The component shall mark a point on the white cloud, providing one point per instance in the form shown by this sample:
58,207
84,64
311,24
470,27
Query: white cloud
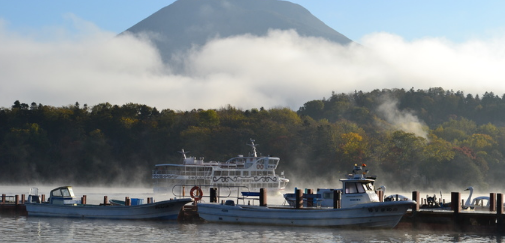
283,69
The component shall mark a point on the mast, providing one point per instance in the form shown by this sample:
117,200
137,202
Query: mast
253,146
183,153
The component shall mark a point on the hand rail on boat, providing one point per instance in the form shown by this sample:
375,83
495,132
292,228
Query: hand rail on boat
182,190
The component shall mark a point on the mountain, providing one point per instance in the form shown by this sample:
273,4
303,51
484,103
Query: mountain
186,23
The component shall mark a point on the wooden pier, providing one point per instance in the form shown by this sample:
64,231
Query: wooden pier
13,205
456,218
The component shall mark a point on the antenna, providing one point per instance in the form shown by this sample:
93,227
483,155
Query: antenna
183,153
253,146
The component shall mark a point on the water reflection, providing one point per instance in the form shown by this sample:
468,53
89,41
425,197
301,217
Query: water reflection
42,229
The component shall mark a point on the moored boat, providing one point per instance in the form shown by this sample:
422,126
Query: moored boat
359,207
252,172
62,203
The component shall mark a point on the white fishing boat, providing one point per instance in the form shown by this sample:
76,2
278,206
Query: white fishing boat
252,172
62,203
359,207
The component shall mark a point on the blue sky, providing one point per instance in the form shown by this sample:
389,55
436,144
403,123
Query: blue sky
59,52
455,20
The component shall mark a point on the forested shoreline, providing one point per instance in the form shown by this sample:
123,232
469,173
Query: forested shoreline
412,139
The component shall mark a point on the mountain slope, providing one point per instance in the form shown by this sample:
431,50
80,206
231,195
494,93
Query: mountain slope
184,23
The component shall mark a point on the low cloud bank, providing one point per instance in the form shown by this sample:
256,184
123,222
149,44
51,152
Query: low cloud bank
283,69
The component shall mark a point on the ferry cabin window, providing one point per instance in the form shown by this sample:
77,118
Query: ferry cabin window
245,173
217,173
273,162
328,195
354,187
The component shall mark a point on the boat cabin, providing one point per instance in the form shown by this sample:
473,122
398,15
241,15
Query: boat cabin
357,188
62,195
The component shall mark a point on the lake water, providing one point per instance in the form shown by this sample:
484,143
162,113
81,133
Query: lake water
41,229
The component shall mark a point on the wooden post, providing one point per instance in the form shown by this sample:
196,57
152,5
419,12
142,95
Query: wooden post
337,196
127,201
148,200
17,199
499,209
455,198
83,199
105,200
213,195
499,203
310,200
23,199
43,197
3,198
415,197
298,198
492,202
263,197
380,194
183,191
397,197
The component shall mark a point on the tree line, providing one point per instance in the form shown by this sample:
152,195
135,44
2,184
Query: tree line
459,141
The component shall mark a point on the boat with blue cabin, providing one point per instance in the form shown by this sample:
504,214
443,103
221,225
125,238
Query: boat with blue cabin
62,203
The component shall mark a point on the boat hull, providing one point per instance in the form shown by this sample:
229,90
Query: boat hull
168,209
370,215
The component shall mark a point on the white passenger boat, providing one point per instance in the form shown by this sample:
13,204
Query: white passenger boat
62,203
360,207
252,172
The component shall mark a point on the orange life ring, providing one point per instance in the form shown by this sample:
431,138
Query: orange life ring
198,195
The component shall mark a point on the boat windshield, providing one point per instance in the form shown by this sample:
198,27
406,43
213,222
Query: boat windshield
358,187
62,192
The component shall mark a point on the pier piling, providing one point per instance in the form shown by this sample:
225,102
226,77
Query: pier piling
337,196
263,197
499,209
492,202
455,199
310,200
298,198
415,197
213,195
